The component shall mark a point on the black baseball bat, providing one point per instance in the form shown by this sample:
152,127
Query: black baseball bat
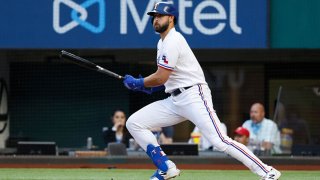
87,64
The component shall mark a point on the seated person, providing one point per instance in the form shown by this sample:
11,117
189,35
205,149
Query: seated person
166,137
242,135
157,132
118,133
204,143
264,133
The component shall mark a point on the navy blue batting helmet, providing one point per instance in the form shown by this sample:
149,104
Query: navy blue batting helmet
164,8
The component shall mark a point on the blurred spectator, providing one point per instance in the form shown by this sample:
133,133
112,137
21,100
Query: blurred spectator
118,133
242,135
166,137
299,127
196,137
264,133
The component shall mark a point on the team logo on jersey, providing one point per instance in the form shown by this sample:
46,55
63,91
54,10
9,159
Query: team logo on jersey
164,59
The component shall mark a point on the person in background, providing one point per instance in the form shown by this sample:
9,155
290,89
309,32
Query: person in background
242,135
118,133
163,135
166,137
264,133
294,122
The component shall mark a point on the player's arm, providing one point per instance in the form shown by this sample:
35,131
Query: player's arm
166,65
158,78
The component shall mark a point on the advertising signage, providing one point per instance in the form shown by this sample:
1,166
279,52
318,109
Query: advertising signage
121,24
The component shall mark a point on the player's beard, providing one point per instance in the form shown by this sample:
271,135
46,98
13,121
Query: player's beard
160,29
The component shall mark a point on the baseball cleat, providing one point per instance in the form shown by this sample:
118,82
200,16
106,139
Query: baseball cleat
272,174
160,175
172,172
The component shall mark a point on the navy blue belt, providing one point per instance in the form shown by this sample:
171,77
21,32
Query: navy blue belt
179,91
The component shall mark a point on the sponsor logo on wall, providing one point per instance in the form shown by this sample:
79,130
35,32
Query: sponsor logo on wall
123,23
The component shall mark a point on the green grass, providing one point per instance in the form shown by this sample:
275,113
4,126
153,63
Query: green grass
126,174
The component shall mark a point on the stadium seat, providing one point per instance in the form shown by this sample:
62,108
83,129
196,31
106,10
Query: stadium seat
117,149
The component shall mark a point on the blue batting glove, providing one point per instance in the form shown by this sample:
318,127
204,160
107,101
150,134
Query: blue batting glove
133,83
143,89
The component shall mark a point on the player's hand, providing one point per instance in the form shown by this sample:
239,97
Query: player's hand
132,83
137,88
143,89
118,125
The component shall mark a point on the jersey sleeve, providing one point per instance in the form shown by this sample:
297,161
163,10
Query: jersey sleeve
169,57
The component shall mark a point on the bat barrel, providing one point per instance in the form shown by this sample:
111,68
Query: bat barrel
87,64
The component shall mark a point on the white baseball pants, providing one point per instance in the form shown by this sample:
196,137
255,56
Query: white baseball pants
194,104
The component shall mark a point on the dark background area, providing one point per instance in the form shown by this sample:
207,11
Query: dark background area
53,100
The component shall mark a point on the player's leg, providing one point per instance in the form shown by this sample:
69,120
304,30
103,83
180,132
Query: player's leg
157,114
202,114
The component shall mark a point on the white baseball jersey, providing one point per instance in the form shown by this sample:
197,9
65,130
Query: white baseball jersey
175,54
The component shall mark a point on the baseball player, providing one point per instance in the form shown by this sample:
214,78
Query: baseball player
182,77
